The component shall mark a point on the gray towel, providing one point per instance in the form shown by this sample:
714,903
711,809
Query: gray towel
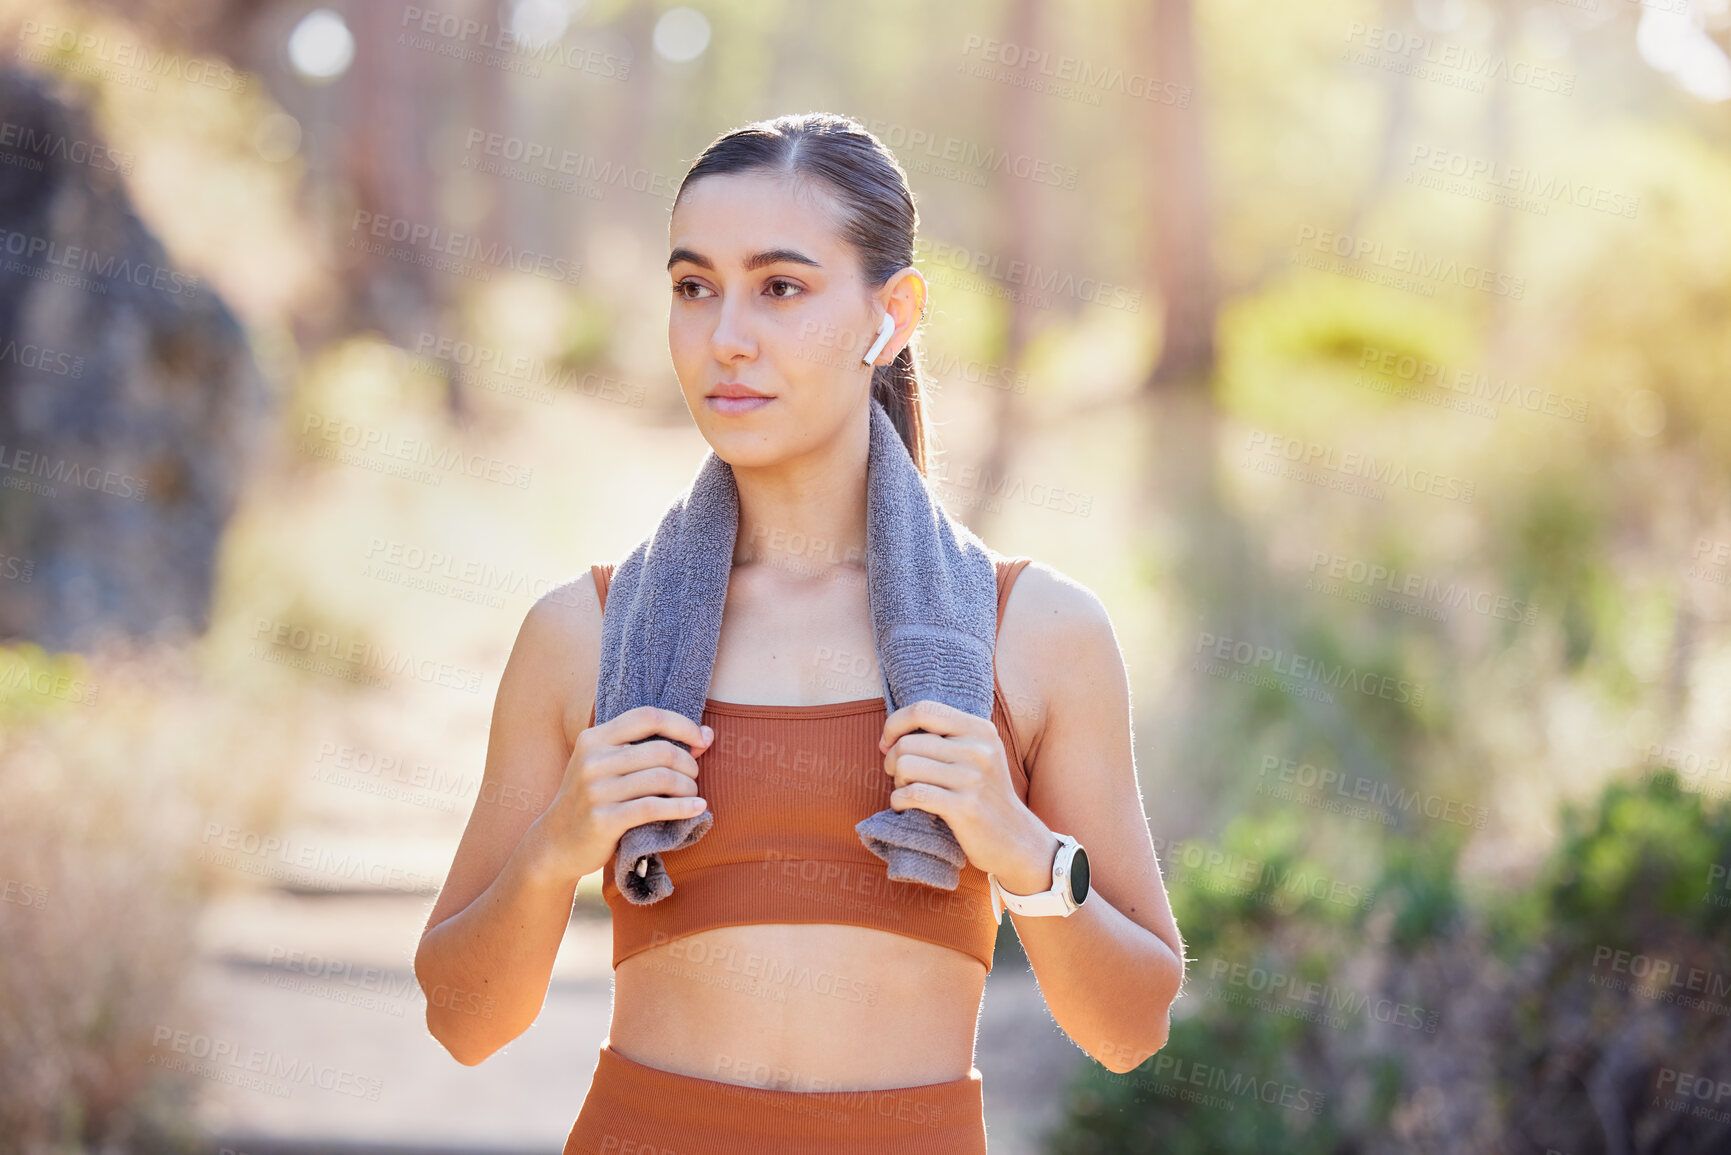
934,602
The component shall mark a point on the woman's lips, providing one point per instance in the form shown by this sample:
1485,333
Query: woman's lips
736,405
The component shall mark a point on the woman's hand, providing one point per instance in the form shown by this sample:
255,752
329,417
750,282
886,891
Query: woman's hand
614,781
957,770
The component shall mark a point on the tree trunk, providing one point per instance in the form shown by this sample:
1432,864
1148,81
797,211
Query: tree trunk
1181,258
1018,134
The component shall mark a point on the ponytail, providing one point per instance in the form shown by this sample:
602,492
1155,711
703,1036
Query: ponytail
900,386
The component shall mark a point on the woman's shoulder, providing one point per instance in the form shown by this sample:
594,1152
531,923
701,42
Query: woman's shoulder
1048,603
571,611
1051,624
560,644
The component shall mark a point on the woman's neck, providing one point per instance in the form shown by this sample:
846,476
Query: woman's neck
807,516
805,534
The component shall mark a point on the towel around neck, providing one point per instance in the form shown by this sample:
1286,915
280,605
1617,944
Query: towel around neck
933,594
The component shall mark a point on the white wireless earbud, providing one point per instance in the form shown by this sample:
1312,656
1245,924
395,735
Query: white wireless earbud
885,331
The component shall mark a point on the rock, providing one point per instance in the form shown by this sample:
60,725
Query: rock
130,403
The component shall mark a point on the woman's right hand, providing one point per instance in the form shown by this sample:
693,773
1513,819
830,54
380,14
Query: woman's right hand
614,782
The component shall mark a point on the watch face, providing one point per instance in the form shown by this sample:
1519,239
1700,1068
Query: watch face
1079,875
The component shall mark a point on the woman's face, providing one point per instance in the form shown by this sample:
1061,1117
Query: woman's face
767,295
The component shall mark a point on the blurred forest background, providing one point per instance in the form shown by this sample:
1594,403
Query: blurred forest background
1371,359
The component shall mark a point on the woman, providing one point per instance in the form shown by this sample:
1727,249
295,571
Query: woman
790,240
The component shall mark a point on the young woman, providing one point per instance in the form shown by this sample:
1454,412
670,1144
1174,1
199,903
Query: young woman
781,1001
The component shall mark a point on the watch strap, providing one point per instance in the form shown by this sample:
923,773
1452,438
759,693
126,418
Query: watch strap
1049,902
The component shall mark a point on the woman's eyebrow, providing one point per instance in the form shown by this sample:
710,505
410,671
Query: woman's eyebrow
755,261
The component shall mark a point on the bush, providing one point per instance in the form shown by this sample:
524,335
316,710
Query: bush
1443,1020
105,770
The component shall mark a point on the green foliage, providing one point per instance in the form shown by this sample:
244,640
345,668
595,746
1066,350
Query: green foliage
1418,883
1638,866
1310,350
1554,546
1630,946
1256,878
1635,870
1234,1077
1234,1088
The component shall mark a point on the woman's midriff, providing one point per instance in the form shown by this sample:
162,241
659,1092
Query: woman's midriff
800,1007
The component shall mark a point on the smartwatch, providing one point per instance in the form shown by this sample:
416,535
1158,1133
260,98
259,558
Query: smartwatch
1068,891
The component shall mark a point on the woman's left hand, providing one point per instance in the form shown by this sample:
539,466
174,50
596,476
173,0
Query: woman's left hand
957,770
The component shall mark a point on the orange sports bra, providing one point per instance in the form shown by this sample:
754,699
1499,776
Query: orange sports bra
786,785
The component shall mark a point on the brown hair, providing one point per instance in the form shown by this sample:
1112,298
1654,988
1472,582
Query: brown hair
878,219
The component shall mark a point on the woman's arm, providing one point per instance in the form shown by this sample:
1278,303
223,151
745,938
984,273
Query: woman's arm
486,957
1111,970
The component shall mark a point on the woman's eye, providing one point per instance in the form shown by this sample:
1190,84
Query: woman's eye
680,287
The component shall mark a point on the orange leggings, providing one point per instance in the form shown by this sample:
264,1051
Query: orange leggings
633,1109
